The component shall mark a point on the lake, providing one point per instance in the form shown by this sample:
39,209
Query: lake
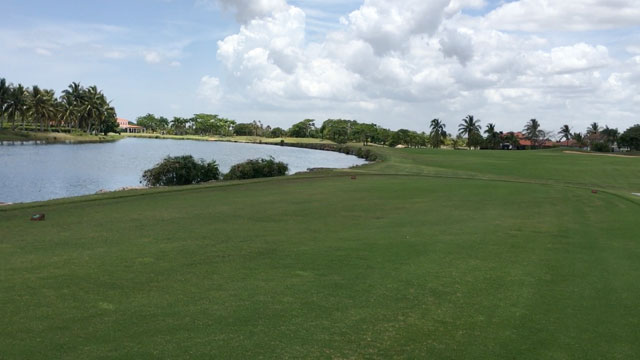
32,172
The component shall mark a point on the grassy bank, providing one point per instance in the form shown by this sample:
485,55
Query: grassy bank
243,139
429,254
54,137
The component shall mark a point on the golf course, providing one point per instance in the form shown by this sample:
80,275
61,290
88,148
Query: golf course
424,254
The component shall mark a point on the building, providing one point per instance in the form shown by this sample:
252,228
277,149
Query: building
126,126
524,143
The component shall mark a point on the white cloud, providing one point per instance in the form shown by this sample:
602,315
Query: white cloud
398,61
43,52
152,57
457,44
210,89
387,24
576,15
114,54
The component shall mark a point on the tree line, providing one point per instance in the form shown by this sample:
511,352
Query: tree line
77,108
470,132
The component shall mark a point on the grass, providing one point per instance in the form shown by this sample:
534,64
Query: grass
54,137
243,139
429,254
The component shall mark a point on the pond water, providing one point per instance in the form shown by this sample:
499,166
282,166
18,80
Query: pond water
33,172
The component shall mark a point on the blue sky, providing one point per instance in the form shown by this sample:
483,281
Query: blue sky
397,63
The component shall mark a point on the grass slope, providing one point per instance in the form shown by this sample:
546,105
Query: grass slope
54,137
429,254
241,139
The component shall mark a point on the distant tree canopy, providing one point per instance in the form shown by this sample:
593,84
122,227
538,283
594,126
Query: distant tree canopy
181,170
277,132
631,138
153,123
303,129
243,129
341,131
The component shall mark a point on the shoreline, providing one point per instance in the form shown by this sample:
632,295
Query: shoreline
347,149
17,137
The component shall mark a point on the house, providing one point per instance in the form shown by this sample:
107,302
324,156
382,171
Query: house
525,143
126,126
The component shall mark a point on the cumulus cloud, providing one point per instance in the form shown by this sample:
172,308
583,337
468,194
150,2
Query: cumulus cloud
387,24
457,44
399,59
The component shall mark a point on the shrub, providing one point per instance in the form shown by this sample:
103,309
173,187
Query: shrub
256,168
181,170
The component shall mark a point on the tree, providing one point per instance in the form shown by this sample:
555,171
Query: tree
565,133
41,105
365,132
109,121
179,125
593,129
457,141
153,123
493,137
579,139
74,98
532,132
302,129
5,92
512,139
181,170
338,132
93,109
469,128
17,105
438,134
243,129
593,133
277,132
609,135
631,138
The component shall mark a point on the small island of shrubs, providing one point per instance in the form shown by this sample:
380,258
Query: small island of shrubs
186,170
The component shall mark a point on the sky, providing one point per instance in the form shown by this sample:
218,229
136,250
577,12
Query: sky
397,63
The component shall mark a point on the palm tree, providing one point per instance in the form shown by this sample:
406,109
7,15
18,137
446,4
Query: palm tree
93,109
593,133
594,129
579,138
17,105
5,91
565,132
469,128
532,131
438,134
493,137
610,135
73,97
41,105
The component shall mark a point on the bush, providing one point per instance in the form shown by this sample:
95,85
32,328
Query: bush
256,168
601,147
181,170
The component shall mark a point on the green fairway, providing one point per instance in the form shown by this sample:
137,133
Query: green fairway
428,254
